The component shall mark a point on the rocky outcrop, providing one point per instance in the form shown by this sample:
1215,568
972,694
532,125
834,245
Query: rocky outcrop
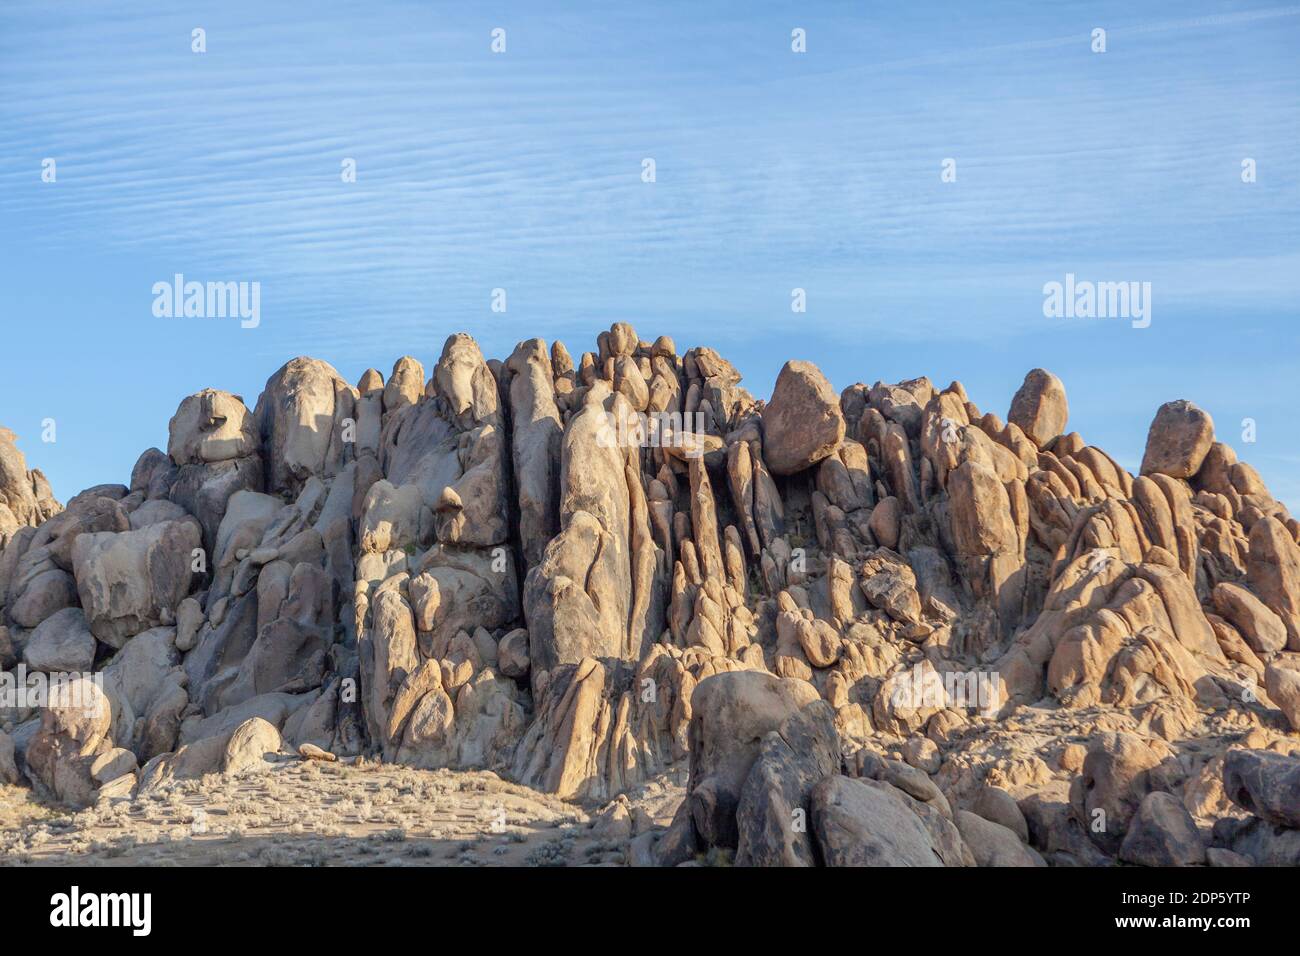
886,627
25,496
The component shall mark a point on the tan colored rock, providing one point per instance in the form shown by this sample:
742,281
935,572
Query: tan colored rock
1273,574
885,522
993,844
513,654
130,581
25,497
1162,834
982,523
870,823
1178,441
802,423
249,746
73,733
730,714
405,386
774,803
1119,771
1265,784
1039,408
535,446
1283,687
1262,629
300,417
998,806
211,426
61,643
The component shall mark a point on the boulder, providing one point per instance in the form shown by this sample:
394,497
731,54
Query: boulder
189,762
73,732
206,489
802,423
731,714
1162,834
869,823
998,806
405,386
466,384
1178,441
535,446
992,844
1283,687
146,689
1118,772
61,643
112,764
394,519
1262,628
25,498
512,654
130,581
300,418
1039,407
772,817
1264,783
1273,573
43,594
248,747
211,426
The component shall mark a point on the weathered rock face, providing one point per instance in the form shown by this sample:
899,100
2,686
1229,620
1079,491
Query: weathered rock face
1283,686
249,746
1118,773
535,443
62,642
992,844
592,595
1163,833
880,628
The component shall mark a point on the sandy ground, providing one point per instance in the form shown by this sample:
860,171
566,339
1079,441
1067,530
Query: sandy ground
308,813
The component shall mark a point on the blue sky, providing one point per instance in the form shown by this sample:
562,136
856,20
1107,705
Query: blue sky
775,170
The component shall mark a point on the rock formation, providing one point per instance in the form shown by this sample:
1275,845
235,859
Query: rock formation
881,629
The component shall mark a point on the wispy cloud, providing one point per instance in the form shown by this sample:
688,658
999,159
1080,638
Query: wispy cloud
774,170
